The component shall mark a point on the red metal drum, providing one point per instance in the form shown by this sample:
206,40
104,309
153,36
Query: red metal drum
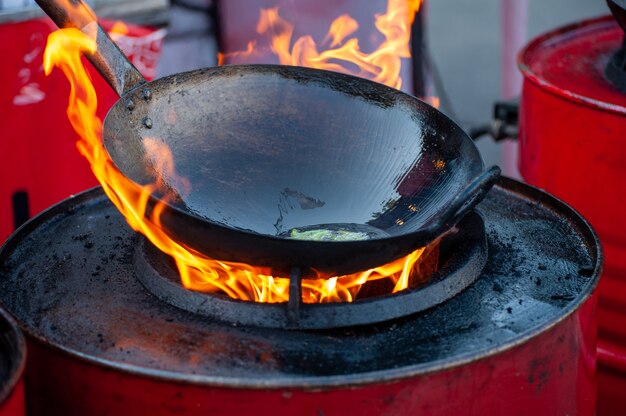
520,340
39,163
573,144
552,374
12,363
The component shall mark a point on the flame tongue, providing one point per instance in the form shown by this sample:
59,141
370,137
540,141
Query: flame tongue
343,54
197,271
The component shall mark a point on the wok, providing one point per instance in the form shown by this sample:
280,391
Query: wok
279,157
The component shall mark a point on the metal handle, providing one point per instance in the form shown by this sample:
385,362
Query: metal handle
618,8
505,122
108,59
615,69
467,200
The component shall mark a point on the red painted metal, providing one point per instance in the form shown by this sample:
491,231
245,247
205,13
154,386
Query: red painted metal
44,162
13,349
572,143
553,373
14,405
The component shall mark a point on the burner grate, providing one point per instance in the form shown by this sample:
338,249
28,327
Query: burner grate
463,256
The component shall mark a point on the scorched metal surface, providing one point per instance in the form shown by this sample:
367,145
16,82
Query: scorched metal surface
521,340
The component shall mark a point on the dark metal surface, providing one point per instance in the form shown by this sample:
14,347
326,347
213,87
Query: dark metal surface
12,356
295,299
462,257
618,8
420,63
68,278
109,60
616,67
266,149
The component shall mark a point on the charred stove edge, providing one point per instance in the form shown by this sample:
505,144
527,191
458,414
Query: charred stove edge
17,371
508,185
590,25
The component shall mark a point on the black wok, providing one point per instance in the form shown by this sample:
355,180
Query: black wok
276,152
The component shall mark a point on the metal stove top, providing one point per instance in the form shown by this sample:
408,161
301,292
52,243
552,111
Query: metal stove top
67,276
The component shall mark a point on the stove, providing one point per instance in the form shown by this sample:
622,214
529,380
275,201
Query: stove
461,256
110,332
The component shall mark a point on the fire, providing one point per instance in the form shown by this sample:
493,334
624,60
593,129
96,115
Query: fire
118,28
342,53
197,271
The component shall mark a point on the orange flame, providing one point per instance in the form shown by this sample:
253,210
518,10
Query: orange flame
118,30
197,271
343,54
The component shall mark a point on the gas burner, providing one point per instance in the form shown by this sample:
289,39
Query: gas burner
102,342
616,67
462,256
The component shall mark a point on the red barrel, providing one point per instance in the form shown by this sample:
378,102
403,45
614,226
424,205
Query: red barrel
572,143
537,377
12,363
39,163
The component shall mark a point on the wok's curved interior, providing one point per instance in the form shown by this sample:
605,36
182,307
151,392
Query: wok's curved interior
267,149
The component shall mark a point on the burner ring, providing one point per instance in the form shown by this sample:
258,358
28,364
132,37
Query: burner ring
463,256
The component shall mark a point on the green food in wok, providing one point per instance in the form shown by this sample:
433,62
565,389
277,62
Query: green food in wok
328,235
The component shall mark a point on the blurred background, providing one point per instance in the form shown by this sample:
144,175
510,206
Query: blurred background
466,43
464,38
466,47
465,52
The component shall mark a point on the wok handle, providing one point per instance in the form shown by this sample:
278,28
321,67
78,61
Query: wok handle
618,8
468,198
108,59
